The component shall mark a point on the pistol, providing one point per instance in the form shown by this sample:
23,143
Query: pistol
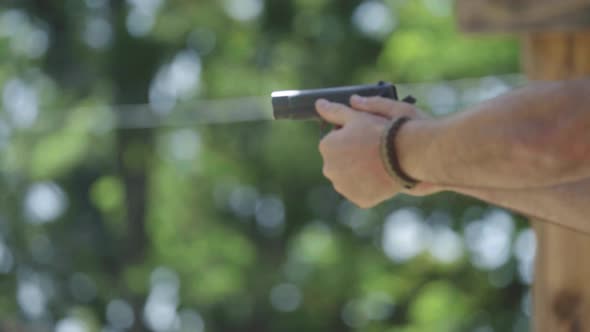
300,104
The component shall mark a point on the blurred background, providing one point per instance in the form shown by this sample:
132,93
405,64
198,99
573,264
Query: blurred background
157,218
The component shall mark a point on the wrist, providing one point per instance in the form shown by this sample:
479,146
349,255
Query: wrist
389,154
413,145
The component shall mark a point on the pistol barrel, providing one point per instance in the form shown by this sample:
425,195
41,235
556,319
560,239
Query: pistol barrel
300,104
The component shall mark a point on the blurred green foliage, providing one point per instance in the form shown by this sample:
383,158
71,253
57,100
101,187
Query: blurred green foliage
230,227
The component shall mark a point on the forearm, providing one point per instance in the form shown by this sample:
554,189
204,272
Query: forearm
566,204
538,136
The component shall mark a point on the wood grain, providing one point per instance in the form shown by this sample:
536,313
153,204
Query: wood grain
562,276
522,15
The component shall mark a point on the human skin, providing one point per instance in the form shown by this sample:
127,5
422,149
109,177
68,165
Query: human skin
528,150
537,136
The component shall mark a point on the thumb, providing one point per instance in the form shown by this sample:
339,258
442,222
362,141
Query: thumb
334,113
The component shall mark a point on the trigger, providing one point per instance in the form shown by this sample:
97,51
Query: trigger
409,99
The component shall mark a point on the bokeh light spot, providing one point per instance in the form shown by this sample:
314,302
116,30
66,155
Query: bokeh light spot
160,308
355,218
180,145
286,297
44,202
26,38
488,87
120,314
270,215
96,4
191,321
36,43
352,315
526,304
485,328
31,298
525,248
146,6
315,244
6,258
439,7
20,100
71,324
12,21
139,24
243,10
82,287
179,79
98,33
405,235
446,246
442,99
202,40
374,19
489,239
377,306
242,201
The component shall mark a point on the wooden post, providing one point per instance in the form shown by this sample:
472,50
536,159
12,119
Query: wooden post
562,276
555,46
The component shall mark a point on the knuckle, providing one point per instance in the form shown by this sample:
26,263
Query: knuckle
358,202
326,171
363,204
323,146
338,188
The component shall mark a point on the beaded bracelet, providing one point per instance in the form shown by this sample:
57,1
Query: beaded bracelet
389,154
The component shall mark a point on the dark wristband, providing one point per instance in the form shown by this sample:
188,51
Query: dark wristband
389,154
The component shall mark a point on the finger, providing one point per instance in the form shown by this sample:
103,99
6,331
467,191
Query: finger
334,113
378,105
